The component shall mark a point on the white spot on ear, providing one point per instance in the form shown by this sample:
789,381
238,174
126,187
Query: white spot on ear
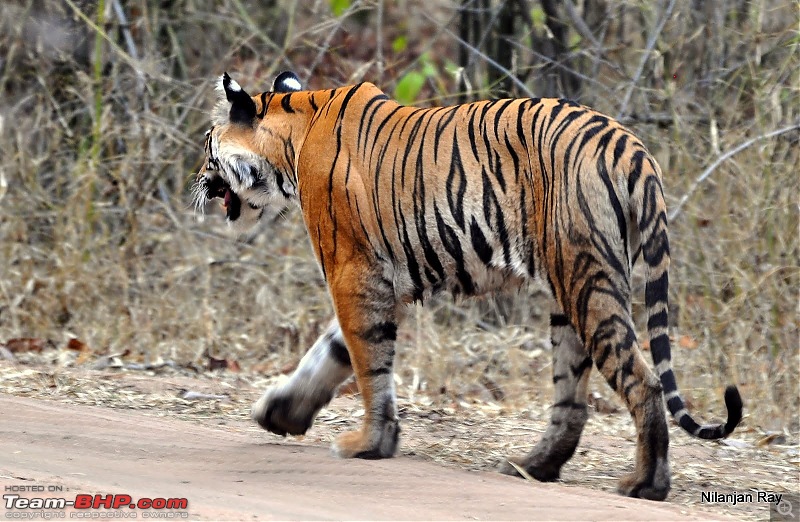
291,84
232,85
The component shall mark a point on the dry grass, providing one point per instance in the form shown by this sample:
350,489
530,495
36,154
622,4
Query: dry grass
99,241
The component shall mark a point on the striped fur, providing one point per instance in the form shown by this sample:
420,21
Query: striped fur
402,203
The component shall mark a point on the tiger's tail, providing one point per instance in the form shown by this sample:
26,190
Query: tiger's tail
649,211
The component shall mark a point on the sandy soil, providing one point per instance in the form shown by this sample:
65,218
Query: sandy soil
226,472
173,433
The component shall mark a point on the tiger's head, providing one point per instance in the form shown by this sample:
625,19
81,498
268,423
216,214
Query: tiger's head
246,163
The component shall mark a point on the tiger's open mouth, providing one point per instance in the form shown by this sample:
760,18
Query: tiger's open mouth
218,188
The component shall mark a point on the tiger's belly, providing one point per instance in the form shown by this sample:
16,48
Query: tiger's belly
466,277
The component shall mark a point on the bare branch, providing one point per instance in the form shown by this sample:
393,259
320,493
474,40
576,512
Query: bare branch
131,45
706,173
559,65
137,65
645,55
379,41
580,25
491,62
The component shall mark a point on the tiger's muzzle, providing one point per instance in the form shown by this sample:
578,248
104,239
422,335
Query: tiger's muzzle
216,187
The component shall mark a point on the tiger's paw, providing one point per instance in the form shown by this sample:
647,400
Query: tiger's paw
362,444
280,412
633,485
541,473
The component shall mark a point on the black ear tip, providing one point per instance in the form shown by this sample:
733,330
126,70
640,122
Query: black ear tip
243,108
287,81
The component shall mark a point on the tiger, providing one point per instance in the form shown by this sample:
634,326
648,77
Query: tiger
403,203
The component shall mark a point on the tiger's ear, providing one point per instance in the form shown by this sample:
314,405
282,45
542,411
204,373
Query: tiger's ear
287,81
243,108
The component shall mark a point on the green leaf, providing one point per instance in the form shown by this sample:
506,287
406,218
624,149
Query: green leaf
538,17
339,7
428,68
407,89
451,67
400,43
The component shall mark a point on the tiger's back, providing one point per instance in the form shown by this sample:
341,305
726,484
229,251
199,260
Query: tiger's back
464,198
401,203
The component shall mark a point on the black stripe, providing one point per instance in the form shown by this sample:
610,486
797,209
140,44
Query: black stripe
339,352
591,129
619,149
411,142
440,127
514,159
659,348
659,320
622,221
656,290
601,360
584,365
602,143
479,243
471,126
380,332
627,366
528,248
498,116
566,403
286,103
365,132
675,404
453,247
378,133
628,387
668,381
635,170
493,214
411,259
652,189
347,98
559,320
431,257
612,381
456,185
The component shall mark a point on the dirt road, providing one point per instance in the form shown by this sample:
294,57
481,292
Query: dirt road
231,472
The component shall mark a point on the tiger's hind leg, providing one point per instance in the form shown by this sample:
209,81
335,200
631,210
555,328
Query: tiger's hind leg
571,368
291,407
612,341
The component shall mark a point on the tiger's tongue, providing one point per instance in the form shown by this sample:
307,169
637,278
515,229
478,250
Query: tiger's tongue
228,198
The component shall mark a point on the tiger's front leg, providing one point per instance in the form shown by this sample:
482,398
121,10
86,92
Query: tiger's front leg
367,311
291,407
